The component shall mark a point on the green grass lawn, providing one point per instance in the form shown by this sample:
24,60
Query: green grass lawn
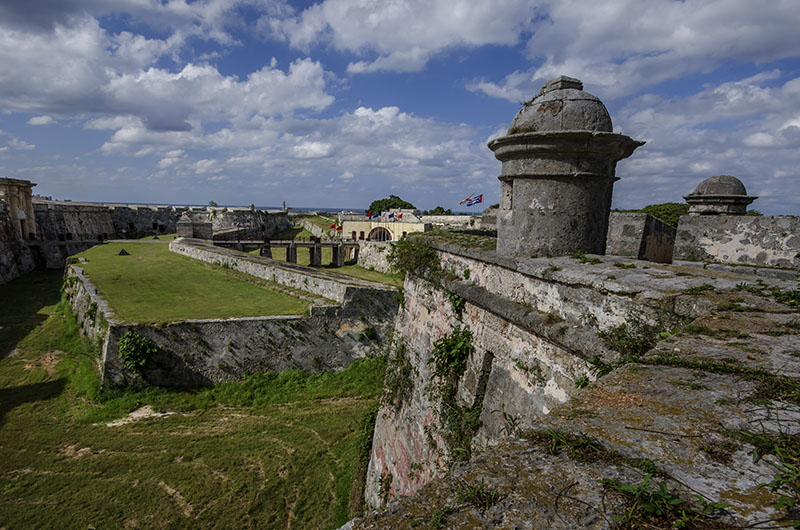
153,284
271,451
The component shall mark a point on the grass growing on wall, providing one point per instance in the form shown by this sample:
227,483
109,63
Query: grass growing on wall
153,284
271,451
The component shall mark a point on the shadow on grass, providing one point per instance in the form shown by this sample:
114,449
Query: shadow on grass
15,396
22,299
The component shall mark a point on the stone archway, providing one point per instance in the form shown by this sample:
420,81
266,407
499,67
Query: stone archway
379,233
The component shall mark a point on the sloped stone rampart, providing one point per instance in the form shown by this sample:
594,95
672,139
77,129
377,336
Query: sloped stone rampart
205,351
766,241
673,410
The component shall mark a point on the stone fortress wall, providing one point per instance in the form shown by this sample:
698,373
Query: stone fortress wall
546,363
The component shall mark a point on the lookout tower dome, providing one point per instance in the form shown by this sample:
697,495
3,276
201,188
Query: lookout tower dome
558,163
720,194
562,106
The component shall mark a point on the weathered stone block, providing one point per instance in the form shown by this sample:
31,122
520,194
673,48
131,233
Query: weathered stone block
641,236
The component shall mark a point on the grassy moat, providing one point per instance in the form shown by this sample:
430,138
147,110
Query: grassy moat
270,451
153,284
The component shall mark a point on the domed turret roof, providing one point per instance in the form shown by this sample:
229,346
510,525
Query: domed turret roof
720,194
562,106
720,185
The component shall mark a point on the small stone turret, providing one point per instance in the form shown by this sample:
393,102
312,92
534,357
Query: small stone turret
720,194
559,159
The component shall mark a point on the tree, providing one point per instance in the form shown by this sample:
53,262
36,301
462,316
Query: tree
438,211
213,204
669,212
393,202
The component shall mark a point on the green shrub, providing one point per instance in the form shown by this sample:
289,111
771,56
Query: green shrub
450,353
416,256
135,351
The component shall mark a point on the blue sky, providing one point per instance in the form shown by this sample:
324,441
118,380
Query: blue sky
340,102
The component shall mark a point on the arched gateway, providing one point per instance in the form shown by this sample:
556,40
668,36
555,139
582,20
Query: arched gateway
379,233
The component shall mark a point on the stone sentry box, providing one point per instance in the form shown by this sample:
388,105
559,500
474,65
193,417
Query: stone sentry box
558,164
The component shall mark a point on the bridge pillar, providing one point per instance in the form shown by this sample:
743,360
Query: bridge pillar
315,255
291,253
338,255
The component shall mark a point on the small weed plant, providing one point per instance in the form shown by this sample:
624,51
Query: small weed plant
581,381
651,506
581,256
480,496
457,303
510,422
399,382
699,289
631,339
450,354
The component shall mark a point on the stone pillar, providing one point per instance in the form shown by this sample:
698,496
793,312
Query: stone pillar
558,171
27,193
266,250
337,255
315,255
291,253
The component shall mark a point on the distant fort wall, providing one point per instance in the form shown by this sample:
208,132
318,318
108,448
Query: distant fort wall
55,230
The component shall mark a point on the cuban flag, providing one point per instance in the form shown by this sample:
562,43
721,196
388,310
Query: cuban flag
332,226
467,199
399,216
375,216
391,216
369,214
475,200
